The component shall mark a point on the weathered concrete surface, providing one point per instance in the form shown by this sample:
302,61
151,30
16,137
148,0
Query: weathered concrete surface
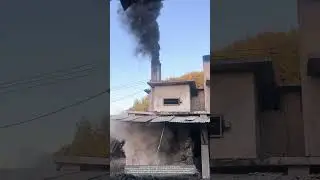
175,91
308,11
234,98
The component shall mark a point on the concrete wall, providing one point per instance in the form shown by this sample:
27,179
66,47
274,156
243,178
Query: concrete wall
309,13
175,91
234,98
282,132
198,102
206,71
294,124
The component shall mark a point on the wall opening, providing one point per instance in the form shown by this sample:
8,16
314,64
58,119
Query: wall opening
215,127
171,101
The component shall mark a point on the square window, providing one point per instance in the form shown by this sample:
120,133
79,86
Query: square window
171,101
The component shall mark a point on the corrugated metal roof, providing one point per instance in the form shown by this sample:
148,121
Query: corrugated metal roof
162,118
145,118
128,118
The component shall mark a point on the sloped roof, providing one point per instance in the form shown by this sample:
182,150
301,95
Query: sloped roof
191,83
172,117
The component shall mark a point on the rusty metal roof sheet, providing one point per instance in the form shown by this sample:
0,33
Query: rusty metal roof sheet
163,118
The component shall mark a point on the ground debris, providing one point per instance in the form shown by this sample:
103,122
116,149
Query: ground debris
132,177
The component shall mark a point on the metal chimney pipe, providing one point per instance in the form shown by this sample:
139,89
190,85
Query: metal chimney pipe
155,71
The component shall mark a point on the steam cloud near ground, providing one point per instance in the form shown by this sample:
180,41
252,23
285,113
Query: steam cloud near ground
142,141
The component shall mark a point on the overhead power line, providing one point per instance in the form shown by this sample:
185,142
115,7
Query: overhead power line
55,111
128,85
42,75
35,81
44,84
129,95
57,80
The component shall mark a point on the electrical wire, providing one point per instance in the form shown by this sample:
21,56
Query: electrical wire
56,111
48,78
130,95
39,75
138,83
43,84
60,77
54,75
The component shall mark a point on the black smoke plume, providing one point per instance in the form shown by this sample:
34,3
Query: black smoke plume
141,21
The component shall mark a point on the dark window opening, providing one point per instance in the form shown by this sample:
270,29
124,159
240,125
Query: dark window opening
171,101
215,127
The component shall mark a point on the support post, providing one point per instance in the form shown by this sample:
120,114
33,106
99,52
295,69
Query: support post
205,165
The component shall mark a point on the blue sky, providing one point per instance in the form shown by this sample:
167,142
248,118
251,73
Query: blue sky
184,39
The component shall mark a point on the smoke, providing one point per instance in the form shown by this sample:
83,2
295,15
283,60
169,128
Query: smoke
141,21
142,141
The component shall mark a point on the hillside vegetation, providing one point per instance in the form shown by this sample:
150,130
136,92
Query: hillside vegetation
280,47
88,140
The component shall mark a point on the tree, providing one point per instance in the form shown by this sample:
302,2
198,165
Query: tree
141,104
88,140
197,76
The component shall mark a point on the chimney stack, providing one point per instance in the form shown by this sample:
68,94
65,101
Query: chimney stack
155,77
155,70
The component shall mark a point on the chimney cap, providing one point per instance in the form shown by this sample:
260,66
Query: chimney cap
206,58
